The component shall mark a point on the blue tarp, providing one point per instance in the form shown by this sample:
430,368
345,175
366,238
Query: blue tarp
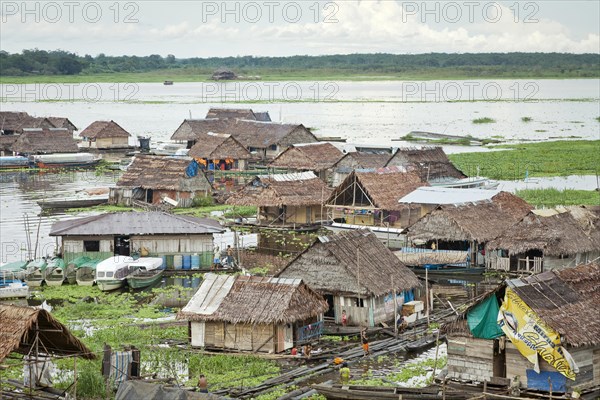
192,169
542,381
408,296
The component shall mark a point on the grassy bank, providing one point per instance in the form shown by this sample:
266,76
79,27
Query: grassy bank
560,158
203,75
554,197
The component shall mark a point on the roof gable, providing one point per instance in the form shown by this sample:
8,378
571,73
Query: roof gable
315,157
218,146
46,141
104,129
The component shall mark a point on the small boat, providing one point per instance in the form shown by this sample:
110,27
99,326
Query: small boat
36,272
10,162
72,268
422,343
168,83
11,287
85,275
112,273
16,268
55,272
355,392
65,203
66,160
146,272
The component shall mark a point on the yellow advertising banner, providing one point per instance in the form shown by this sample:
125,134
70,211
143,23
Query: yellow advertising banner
531,336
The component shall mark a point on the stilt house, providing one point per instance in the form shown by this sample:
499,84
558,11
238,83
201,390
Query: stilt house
318,158
356,273
251,313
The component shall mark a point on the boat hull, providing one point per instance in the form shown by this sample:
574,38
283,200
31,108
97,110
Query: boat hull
108,285
139,282
14,291
34,281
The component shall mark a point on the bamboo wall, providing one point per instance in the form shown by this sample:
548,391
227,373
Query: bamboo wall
264,338
107,143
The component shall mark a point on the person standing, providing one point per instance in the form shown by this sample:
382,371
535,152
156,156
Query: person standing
230,256
344,318
216,257
365,341
202,384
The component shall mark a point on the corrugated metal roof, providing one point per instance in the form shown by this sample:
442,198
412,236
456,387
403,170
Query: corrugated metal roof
136,223
210,294
440,195
300,176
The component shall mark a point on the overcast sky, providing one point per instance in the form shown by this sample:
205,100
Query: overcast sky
283,28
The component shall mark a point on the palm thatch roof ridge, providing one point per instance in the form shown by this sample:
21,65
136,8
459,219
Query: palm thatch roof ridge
163,173
313,157
301,189
430,162
46,141
218,146
252,300
370,267
104,129
18,328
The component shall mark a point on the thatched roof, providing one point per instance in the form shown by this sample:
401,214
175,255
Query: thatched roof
252,300
312,157
567,300
218,146
383,187
241,113
555,235
18,332
430,162
481,221
136,223
351,262
362,160
301,189
17,121
104,129
164,173
256,134
62,122
45,141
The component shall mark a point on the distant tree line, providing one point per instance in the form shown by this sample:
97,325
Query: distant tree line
59,62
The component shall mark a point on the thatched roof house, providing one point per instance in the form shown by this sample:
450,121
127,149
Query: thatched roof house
220,147
22,327
45,141
316,157
151,178
555,241
13,123
254,307
371,198
266,139
357,160
349,265
555,302
106,135
285,198
62,122
431,163
240,113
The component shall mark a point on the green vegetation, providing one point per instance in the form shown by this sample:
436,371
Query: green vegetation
228,211
408,371
559,158
484,120
40,66
462,141
526,119
555,197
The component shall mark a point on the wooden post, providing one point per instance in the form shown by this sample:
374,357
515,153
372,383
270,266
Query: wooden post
395,309
437,349
427,293
75,375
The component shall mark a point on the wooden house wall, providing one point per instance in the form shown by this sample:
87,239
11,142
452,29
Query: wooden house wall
72,247
185,199
357,316
262,338
555,262
470,358
293,215
107,143
121,196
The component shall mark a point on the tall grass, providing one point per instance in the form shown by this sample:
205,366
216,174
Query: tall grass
554,197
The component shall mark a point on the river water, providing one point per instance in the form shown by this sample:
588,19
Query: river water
362,112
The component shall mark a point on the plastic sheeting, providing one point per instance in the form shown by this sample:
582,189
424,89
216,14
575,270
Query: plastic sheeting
135,390
482,319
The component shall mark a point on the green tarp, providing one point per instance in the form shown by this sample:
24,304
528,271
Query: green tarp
482,319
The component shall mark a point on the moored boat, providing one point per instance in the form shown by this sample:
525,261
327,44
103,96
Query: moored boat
355,392
146,272
72,268
16,268
85,275
65,160
11,287
111,273
55,272
72,203
10,162
36,272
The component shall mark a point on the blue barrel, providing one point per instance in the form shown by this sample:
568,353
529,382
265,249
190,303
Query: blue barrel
195,261
177,261
170,261
187,261
164,262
